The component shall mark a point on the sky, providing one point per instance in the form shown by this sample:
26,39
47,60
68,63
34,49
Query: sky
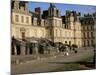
84,9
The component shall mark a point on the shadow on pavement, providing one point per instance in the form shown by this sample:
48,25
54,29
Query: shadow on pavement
91,65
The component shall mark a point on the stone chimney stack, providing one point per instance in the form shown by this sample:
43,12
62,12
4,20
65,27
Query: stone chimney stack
38,10
16,4
26,6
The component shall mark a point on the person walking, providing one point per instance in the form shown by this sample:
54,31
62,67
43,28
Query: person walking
66,51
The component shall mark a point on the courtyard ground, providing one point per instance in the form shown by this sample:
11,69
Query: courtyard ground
78,61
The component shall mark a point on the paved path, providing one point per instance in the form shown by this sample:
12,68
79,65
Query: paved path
50,64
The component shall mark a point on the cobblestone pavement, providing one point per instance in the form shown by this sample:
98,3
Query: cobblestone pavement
51,63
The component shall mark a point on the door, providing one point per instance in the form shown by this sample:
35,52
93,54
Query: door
23,36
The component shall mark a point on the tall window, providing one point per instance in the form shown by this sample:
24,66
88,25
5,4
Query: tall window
16,18
88,44
56,32
50,32
27,19
84,35
22,19
87,34
84,43
92,34
57,12
52,12
35,21
92,42
69,42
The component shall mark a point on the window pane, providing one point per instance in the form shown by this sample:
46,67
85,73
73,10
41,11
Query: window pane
27,19
22,19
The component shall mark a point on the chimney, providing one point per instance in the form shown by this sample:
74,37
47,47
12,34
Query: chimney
38,10
26,6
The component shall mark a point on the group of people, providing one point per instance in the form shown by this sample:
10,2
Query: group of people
66,53
66,50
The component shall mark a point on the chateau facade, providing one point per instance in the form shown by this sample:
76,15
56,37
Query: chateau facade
50,24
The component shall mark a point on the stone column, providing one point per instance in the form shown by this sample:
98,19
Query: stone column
33,49
57,50
22,48
15,50
36,50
